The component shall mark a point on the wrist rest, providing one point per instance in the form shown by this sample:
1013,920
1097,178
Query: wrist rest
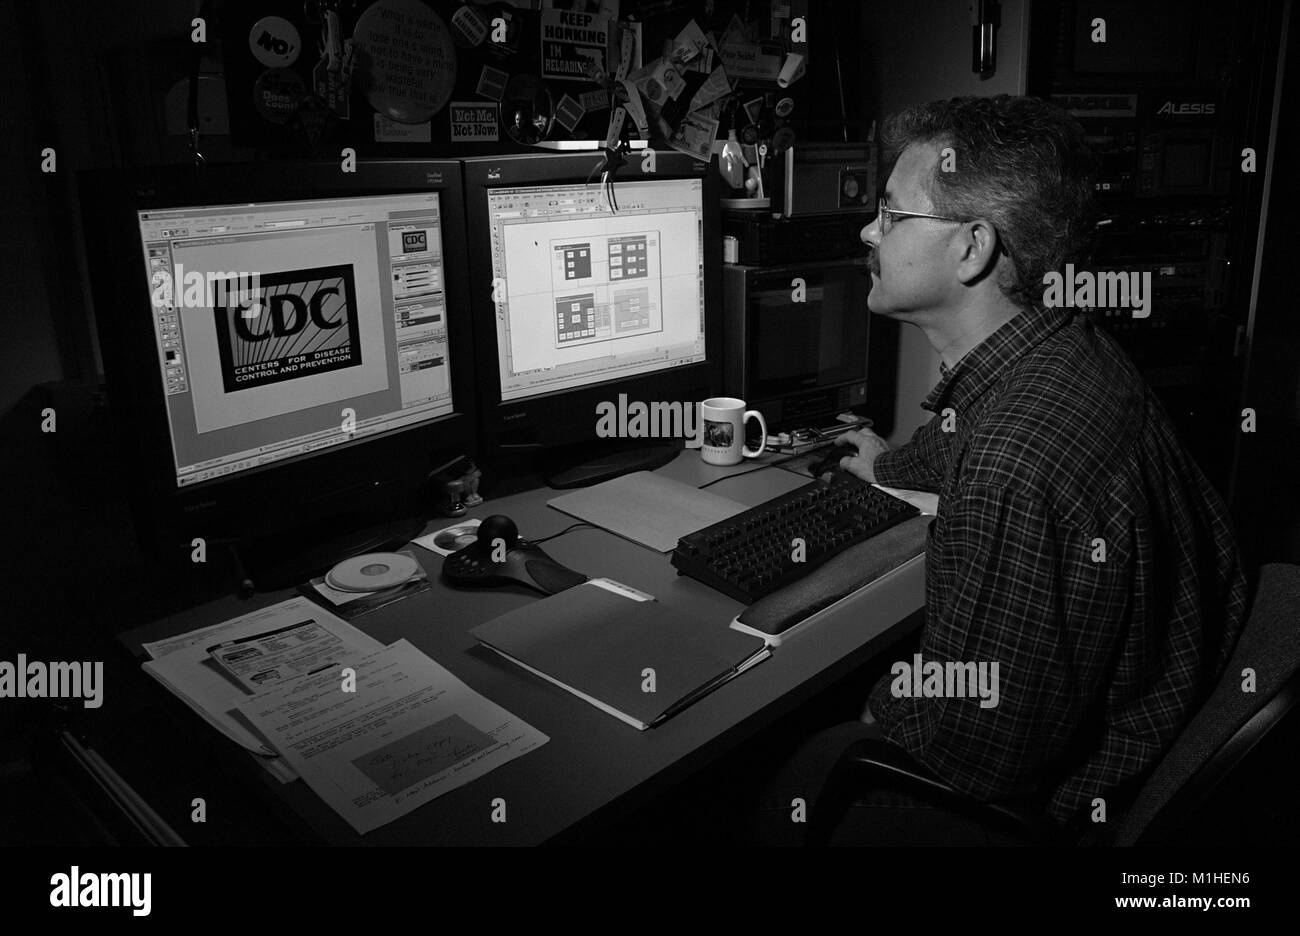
857,566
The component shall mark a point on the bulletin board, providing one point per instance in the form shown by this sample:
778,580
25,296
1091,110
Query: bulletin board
447,78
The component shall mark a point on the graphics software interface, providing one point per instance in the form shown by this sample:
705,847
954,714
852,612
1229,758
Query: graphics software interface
273,320
590,294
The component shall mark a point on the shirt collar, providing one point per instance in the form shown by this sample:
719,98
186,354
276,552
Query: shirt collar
982,366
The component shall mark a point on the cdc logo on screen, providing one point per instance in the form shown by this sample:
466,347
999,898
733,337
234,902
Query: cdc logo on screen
302,322
415,241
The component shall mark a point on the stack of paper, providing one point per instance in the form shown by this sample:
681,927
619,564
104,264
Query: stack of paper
401,732
184,665
375,731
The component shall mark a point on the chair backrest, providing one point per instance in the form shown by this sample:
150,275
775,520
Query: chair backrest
1231,721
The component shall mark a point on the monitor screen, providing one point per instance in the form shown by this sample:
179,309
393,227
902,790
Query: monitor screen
285,327
585,294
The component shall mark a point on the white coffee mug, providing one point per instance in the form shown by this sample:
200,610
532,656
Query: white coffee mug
722,431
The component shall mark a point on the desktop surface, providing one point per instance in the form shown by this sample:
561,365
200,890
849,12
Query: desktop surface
594,766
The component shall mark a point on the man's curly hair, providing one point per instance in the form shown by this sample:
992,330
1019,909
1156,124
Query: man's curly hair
1022,164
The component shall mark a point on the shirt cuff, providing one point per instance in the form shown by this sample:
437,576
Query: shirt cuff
898,468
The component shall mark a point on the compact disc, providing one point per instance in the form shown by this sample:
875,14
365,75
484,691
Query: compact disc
371,572
454,538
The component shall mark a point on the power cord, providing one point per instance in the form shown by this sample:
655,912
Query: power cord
562,532
192,101
738,474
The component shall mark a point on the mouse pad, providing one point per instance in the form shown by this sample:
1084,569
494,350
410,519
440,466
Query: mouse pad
647,508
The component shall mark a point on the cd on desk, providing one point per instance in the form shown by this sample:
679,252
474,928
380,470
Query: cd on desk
371,572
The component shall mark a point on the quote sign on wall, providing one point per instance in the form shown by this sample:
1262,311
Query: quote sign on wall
407,59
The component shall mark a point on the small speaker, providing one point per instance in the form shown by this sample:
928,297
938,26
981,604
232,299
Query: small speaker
828,178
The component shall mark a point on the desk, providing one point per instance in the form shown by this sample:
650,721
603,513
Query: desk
594,765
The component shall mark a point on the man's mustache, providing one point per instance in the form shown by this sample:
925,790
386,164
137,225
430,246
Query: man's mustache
873,263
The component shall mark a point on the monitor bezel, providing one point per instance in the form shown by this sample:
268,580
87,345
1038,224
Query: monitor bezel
561,418
261,499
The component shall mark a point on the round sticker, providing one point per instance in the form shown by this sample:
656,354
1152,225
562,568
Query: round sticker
783,140
469,26
407,59
277,94
274,41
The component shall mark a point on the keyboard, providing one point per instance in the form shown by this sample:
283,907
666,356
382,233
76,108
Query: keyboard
753,553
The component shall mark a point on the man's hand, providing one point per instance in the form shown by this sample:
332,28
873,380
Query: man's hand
868,445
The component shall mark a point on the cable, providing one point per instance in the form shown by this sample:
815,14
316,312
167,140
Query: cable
608,169
772,464
839,83
192,103
562,532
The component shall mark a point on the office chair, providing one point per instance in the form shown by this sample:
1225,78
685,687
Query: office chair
1225,729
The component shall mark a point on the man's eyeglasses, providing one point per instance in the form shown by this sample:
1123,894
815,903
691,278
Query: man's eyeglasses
888,216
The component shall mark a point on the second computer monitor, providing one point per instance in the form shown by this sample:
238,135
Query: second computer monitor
588,293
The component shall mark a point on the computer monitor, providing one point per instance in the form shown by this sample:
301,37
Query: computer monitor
587,299
287,347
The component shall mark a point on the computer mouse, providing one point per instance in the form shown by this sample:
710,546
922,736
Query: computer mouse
828,462
498,526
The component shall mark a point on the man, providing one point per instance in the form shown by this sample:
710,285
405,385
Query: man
1076,545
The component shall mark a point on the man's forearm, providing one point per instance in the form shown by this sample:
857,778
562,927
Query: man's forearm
903,468
919,465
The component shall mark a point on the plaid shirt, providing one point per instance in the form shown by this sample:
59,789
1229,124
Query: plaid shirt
1057,448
